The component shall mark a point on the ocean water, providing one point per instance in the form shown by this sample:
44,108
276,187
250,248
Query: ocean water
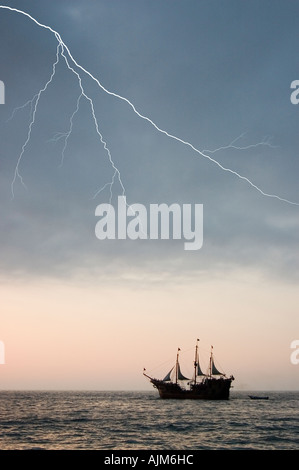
142,421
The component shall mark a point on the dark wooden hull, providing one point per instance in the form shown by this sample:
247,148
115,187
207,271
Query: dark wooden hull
208,389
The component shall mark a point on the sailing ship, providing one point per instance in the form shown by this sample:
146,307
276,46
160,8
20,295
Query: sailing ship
211,386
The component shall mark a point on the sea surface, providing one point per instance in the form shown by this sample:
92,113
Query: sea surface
142,421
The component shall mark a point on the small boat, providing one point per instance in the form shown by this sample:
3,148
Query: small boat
257,397
211,386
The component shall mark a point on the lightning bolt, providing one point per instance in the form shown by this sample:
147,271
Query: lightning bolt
29,102
116,172
66,135
34,103
266,143
69,59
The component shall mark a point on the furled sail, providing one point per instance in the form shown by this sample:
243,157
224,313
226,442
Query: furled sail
215,371
180,375
167,377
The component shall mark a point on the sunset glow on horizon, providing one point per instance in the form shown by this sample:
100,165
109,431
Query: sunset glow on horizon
62,335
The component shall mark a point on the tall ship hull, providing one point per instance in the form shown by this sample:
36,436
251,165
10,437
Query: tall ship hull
208,389
211,386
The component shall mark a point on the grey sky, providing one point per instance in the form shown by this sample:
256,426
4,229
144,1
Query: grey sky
204,71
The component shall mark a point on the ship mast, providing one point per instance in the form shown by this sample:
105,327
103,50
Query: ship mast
196,360
211,362
177,366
